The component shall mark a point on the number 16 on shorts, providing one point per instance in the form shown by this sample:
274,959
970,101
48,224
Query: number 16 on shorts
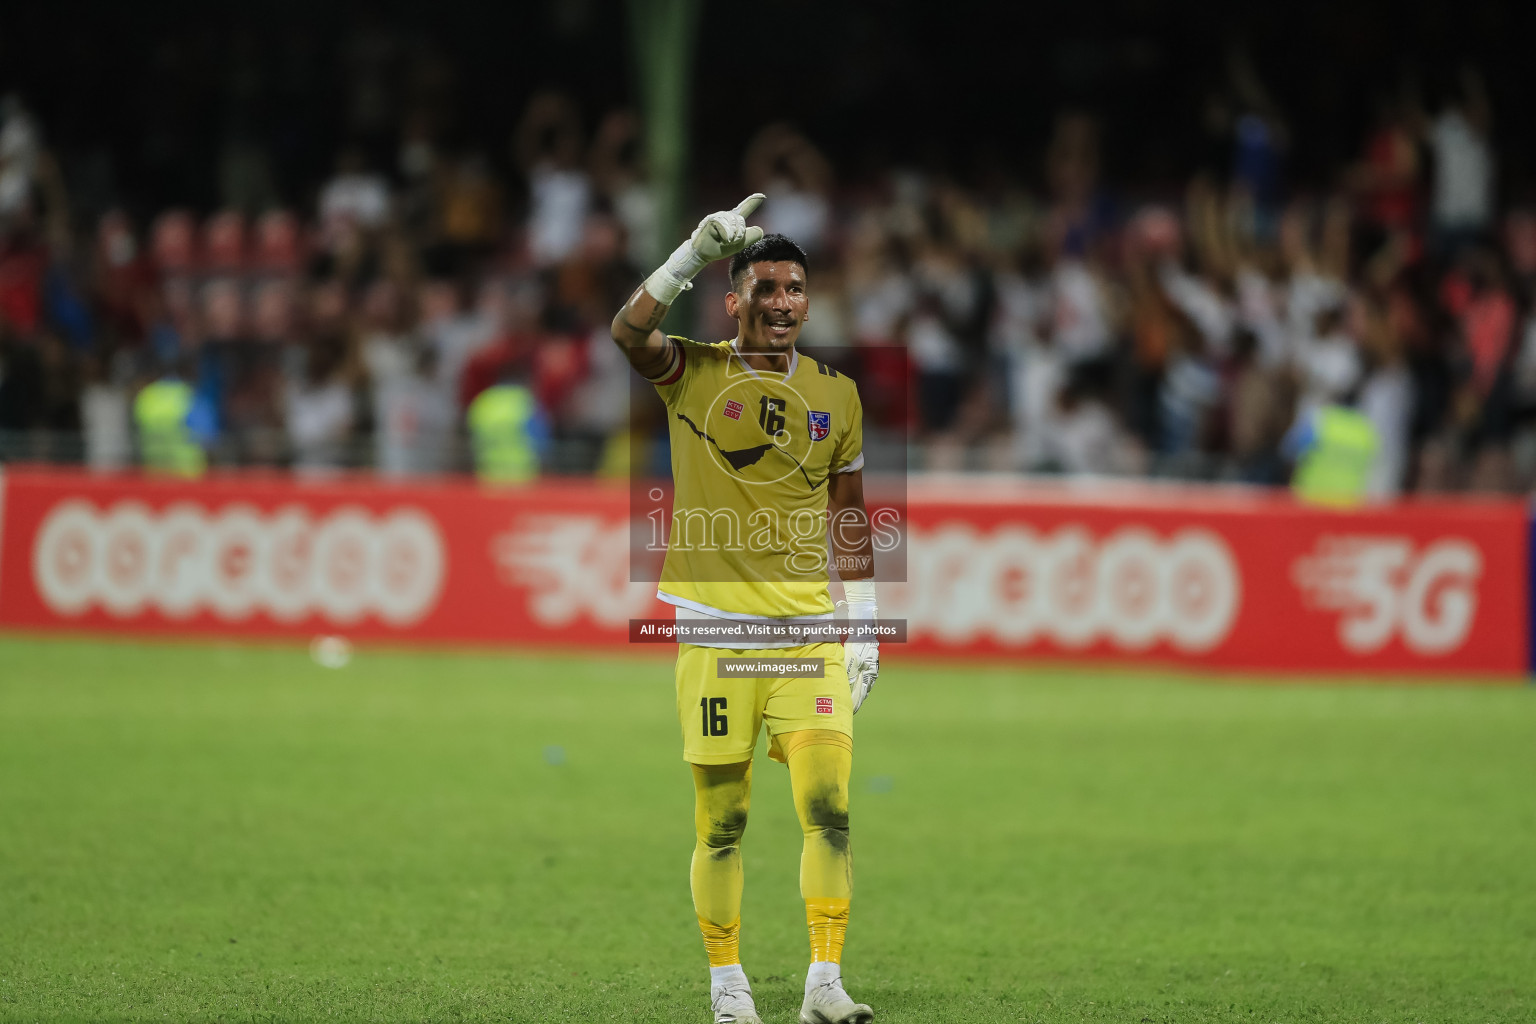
712,716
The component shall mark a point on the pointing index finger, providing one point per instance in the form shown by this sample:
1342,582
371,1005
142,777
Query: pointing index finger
747,205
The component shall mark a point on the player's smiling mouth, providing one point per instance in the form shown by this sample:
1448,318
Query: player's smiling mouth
780,327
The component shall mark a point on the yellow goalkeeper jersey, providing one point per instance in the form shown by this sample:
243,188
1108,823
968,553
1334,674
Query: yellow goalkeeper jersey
751,454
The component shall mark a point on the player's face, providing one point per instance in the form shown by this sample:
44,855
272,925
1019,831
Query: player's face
770,305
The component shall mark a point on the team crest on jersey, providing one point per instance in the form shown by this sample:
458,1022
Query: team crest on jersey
821,425
823,705
733,408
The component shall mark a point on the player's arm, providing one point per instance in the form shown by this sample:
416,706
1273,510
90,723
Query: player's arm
853,554
636,327
635,331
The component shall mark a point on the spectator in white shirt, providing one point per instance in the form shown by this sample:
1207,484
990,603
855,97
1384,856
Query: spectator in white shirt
318,409
548,148
1461,204
354,195
20,150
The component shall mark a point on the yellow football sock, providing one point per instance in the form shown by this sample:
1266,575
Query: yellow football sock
820,763
722,794
722,942
827,921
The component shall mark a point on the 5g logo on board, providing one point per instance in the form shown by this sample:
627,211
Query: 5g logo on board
1385,587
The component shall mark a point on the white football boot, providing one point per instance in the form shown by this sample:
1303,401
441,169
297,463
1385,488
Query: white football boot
827,1003
733,1004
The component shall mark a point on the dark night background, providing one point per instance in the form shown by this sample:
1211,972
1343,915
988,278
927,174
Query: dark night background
1134,237
140,95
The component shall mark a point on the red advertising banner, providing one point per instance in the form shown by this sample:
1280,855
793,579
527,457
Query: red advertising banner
285,557
995,569
1230,578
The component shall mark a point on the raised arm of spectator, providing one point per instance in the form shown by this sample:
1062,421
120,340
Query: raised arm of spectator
611,159
1204,214
1334,253
1239,219
550,129
777,149
1243,73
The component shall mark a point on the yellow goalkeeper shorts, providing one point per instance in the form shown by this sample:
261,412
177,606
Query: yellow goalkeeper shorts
720,711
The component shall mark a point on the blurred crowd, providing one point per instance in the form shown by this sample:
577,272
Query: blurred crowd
1048,320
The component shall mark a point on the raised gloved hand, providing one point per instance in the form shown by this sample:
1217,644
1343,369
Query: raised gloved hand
721,234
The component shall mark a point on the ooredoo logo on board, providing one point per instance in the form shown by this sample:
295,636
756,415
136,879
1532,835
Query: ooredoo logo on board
1016,585
237,561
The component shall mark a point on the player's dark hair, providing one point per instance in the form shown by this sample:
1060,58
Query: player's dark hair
768,249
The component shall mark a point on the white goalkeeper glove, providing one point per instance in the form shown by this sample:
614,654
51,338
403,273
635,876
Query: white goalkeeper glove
719,235
861,658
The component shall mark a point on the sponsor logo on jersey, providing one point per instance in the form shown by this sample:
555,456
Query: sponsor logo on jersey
823,705
733,409
821,425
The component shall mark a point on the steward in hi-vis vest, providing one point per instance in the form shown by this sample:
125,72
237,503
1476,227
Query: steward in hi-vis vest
503,429
166,444
1336,448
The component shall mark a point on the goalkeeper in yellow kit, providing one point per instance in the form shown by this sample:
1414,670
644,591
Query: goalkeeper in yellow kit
766,451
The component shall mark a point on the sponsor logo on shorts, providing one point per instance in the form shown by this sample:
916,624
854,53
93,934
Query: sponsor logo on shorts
733,409
823,705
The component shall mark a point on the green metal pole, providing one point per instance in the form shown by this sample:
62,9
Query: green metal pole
664,34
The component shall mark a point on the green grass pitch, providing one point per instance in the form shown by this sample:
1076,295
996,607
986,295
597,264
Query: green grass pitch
220,833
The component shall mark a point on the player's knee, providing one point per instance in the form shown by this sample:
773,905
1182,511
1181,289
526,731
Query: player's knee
723,831
722,794
826,812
